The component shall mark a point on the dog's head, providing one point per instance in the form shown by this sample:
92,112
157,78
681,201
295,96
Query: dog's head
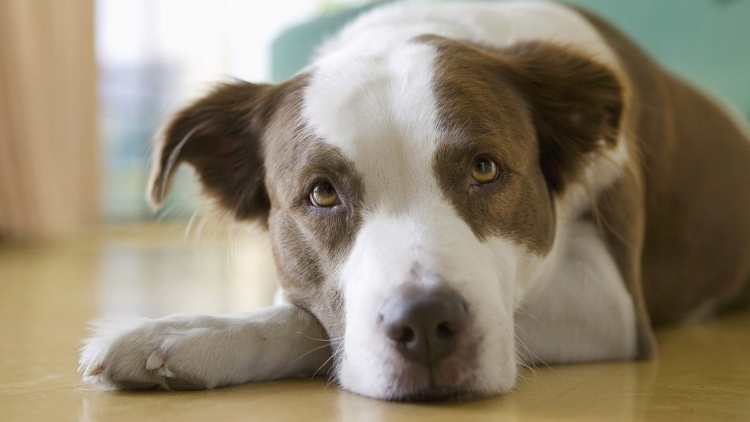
409,195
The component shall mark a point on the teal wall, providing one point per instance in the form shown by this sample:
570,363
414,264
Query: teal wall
705,41
292,49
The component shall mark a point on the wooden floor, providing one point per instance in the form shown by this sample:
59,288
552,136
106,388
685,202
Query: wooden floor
49,292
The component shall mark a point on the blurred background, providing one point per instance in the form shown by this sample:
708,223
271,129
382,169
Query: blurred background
84,84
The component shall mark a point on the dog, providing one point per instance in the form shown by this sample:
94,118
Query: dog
452,190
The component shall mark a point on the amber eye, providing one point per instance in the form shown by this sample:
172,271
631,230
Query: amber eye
484,170
324,195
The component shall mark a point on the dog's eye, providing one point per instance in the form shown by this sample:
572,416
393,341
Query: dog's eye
484,170
324,195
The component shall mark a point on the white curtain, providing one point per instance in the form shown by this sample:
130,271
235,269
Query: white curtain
49,153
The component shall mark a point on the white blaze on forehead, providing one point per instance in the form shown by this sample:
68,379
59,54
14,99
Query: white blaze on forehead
379,110
487,23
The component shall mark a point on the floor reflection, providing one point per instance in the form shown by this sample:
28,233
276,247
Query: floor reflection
49,292
158,280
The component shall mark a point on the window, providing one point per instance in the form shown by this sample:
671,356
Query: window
153,57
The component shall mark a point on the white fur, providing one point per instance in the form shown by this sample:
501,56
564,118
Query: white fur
205,351
583,312
434,244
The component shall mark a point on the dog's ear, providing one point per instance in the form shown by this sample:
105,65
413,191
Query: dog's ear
220,135
576,105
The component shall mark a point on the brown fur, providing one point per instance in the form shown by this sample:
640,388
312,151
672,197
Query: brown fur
252,153
539,110
310,243
696,172
677,251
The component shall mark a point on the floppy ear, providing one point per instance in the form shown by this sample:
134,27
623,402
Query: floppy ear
220,135
576,105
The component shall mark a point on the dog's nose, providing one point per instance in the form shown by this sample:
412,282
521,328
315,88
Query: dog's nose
424,326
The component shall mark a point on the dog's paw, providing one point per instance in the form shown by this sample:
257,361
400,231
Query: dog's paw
138,353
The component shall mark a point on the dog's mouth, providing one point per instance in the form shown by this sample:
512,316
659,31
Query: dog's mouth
416,383
436,393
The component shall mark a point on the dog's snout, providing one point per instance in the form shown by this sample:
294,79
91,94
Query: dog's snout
424,326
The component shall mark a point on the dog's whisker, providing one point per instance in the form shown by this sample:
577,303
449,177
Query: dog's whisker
518,340
543,325
532,354
534,375
308,352
326,362
329,340
523,356
332,372
334,366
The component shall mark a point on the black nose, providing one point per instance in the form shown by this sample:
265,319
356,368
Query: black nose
424,326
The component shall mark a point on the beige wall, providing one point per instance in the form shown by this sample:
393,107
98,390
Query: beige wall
49,157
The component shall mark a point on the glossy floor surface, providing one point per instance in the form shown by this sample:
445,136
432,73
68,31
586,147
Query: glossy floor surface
49,292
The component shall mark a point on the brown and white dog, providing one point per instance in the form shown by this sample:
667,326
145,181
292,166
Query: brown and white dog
451,189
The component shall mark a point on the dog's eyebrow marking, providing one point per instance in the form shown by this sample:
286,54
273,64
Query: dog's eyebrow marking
314,244
492,118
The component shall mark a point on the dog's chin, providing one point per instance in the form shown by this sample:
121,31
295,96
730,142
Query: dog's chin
413,383
436,393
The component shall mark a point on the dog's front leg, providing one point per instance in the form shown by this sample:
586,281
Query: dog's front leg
200,351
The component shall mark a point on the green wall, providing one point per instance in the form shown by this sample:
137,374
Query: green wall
705,41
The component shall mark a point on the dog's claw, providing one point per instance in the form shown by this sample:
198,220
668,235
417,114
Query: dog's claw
140,355
92,370
155,361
